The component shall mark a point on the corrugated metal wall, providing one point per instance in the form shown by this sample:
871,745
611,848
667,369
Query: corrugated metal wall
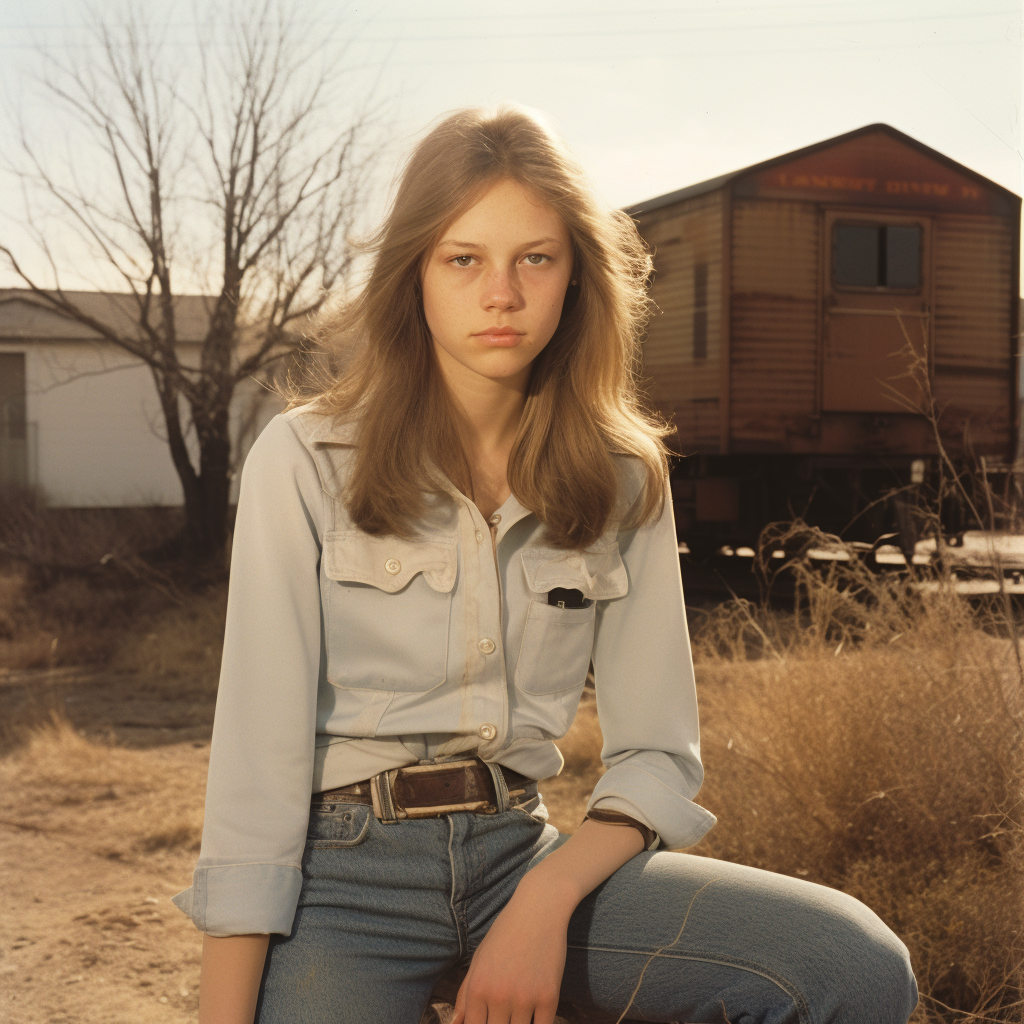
775,275
973,266
773,389
681,385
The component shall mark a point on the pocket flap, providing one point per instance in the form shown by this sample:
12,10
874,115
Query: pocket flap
389,563
599,574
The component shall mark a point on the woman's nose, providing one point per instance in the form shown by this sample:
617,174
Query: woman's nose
501,291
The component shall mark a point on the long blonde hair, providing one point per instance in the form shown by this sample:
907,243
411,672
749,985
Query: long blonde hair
582,406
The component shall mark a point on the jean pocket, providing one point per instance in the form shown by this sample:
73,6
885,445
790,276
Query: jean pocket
334,826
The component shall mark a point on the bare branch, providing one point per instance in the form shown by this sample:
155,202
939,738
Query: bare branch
227,176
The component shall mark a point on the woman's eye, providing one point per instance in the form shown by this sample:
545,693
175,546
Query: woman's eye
535,259
462,261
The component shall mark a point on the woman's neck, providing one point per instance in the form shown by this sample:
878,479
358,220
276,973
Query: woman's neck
491,411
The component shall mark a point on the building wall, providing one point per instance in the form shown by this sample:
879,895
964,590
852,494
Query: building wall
96,435
775,318
973,260
684,373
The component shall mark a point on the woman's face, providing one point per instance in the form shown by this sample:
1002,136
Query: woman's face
493,286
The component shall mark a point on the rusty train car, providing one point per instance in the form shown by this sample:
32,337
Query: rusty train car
798,303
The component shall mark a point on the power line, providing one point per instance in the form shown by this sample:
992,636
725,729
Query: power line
632,15
588,13
613,58
552,36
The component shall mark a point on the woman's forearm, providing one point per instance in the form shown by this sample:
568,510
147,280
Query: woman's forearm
594,853
523,954
230,978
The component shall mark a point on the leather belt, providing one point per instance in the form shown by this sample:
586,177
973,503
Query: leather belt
431,790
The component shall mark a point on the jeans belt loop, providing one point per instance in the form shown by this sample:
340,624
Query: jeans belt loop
500,787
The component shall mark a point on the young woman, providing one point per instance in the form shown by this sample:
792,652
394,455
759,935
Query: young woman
426,560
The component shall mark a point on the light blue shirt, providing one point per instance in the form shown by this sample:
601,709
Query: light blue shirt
347,654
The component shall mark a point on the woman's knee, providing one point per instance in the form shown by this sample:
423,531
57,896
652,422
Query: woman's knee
894,976
873,979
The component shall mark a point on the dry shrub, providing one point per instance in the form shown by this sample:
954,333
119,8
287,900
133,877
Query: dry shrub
77,621
871,741
123,803
180,641
123,625
566,795
23,641
61,618
70,538
77,586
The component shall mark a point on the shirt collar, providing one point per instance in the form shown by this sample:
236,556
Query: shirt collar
327,429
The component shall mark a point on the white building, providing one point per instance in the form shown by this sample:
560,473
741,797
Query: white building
79,417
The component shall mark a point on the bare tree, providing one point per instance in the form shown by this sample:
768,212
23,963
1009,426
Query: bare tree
226,172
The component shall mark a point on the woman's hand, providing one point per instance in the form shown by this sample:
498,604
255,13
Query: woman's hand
516,971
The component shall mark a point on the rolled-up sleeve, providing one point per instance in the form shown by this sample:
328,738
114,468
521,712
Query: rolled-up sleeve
646,697
248,876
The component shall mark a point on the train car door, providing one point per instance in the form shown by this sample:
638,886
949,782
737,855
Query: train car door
877,285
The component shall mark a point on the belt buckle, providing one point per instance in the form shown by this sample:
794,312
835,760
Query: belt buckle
382,796
387,809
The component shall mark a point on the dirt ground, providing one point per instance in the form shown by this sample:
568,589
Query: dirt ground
100,817
88,938
87,932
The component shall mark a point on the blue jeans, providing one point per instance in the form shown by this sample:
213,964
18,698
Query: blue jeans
386,908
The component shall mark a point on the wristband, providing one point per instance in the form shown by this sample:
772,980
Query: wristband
615,818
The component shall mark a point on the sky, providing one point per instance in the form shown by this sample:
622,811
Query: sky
652,95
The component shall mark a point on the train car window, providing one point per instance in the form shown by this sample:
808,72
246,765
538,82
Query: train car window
877,256
902,256
855,255
700,310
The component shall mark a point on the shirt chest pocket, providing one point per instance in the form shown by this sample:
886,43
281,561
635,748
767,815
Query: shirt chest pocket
388,606
558,641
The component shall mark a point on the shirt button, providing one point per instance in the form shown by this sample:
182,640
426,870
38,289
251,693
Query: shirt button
479,536
393,566
486,645
487,731
495,519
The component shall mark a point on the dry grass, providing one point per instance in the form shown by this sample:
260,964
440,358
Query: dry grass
117,624
880,770
127,803
567,794
871,741
95,840
179,641
868,739
63,618
79,538
79,586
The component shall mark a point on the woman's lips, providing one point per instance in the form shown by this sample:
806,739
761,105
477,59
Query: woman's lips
500,337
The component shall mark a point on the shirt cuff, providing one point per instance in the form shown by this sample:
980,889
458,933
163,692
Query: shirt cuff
630,789
242,899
